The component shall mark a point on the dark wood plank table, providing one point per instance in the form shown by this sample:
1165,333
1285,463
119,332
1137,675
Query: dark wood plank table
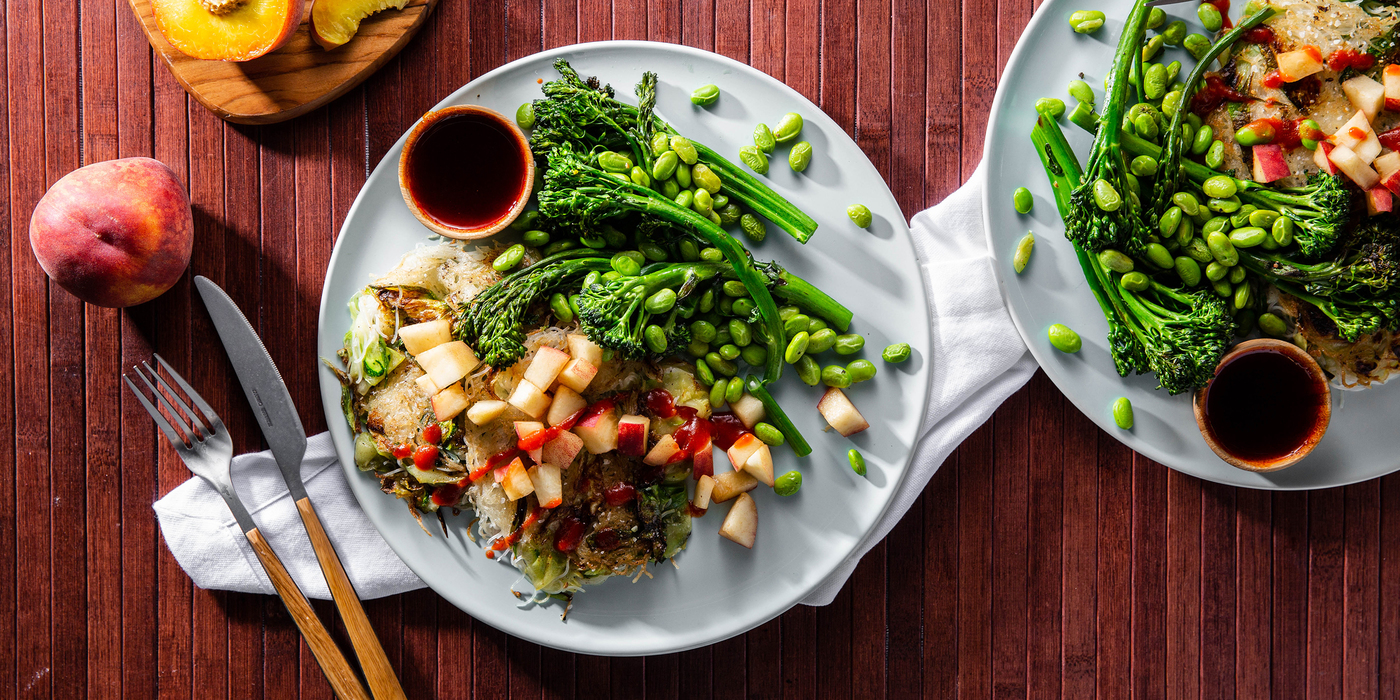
1044,558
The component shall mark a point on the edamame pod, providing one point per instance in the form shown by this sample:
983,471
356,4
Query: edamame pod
1064,339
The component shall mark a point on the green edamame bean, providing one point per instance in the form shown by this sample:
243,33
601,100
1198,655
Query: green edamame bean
1240,218
763,138
662,301
697,349
1244,294
1159,255
753,157
815,325
717,392
739,332
1282,231
1086,21
1223,289
788,127
1122,407
1154,82
591,279
1269,243
702,330
1224,206
711,254
1199,251
707,300
639,176
1218,223
536,238
525,115
1188,270
756,355
1256,133
820,341
735,391
1022,200
800,156
703,372
1152,47
1064,339
1081,92
1271,324
860,370
849,344
1237,274
614,162
795,323
703,202
787,312
1210,17
836,376
559,304
705,95
1171,219
1106,197
742,308
1144,166
729,351
689,250
1175,33
808,370
1115,261
1216,272
525,221
686,199
1187,202
753,228
1215,155
1204,137
857,461
685,149
509,259
1171,101
628,264
860,215
558,247
726,307
1309,133
797,347
1146,126
734,288
789,483
1134,281
1022,257
705,178
1263,218
729,214
1196,45
660,143
1156,17
896,353
665,165
1248,237
773,437
1219,187
1222,249
720,365
1050,106
655,338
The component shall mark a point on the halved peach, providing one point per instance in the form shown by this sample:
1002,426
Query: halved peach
226,30
334,22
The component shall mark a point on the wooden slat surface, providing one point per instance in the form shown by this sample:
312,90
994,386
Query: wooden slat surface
1044,559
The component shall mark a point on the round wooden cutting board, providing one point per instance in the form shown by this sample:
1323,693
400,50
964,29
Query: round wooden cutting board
294,79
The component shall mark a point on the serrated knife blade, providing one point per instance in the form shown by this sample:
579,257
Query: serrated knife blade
262,383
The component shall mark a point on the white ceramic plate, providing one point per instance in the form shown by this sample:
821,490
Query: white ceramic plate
720,589
1359,445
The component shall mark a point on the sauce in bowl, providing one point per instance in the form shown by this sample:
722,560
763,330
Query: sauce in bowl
1267,406
466,171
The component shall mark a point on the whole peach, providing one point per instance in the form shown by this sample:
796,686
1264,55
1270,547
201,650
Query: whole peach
116,233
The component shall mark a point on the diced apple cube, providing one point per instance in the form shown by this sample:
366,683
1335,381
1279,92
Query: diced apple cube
1358,136
662,453
1353,167
1366,95
1387,163
561,450
731,484
449,402
584,349
516,483
703,488
1378,199
632,435
702,461
1320,158
577,374
749,410
530,399
840,413
526,428
760,464
448,362
421,337
549,489
485,411
599,432
741,524
426,385
1390,77
1269,163
546,365
567,402
743,448
1301,63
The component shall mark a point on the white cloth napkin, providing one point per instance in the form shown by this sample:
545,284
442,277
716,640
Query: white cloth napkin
977,361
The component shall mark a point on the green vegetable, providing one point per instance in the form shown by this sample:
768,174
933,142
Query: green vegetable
739,332
800,156
1135,281
1210,17
660,143
1022,256
1050,106
756,355
1248,237
788,127
788,484
686,150
1022,200
717,393
1271,324
1175,33
1159,255
536,239
662,301
655,337
1149,51
897,353
685,200
815,325
860,215
753,228
797,347
1222,249
808,370
729,214
1081,92
1216,272
627,264
1154,86
1122,407
796,323
640,176
735,390
1282,231
742,307
1086,21
1143,166
754,158
509,259
1116,261
665,165
860,370
1215,155
1310,128
1255,134
1204,138
704,204
849,344
720,365
614,162
763,138
559,304
702,330
705,95
1196,45
729,351
525,115
525,221
1188,270
1064,339
697,349
835,376
857,461
768,434
1170,220
1219,187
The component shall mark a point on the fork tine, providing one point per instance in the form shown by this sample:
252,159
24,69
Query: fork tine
174,414
210,417
176,441
194,417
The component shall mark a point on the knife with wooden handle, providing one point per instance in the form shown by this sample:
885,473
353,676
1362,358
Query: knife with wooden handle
277,416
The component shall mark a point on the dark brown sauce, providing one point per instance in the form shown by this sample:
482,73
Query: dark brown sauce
1263,405
467,171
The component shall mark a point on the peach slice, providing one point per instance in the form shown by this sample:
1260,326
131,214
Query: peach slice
227,31
334,22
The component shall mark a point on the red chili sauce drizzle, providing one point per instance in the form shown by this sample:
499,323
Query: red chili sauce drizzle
1214,94
1342,59
1258,35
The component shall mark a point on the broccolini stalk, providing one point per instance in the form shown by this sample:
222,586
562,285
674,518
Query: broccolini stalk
614,313
791,435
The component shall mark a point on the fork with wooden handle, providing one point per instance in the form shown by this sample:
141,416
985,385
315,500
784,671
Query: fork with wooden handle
203,443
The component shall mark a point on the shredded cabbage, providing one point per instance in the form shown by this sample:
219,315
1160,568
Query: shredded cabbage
371,359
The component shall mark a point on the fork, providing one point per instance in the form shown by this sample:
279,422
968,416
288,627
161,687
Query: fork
204,445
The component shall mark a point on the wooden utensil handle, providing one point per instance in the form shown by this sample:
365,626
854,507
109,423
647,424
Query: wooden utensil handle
333,663
383,682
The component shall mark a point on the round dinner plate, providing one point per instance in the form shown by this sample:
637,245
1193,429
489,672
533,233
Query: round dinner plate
718,589
1360,442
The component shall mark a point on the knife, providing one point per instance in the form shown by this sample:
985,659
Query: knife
281,426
